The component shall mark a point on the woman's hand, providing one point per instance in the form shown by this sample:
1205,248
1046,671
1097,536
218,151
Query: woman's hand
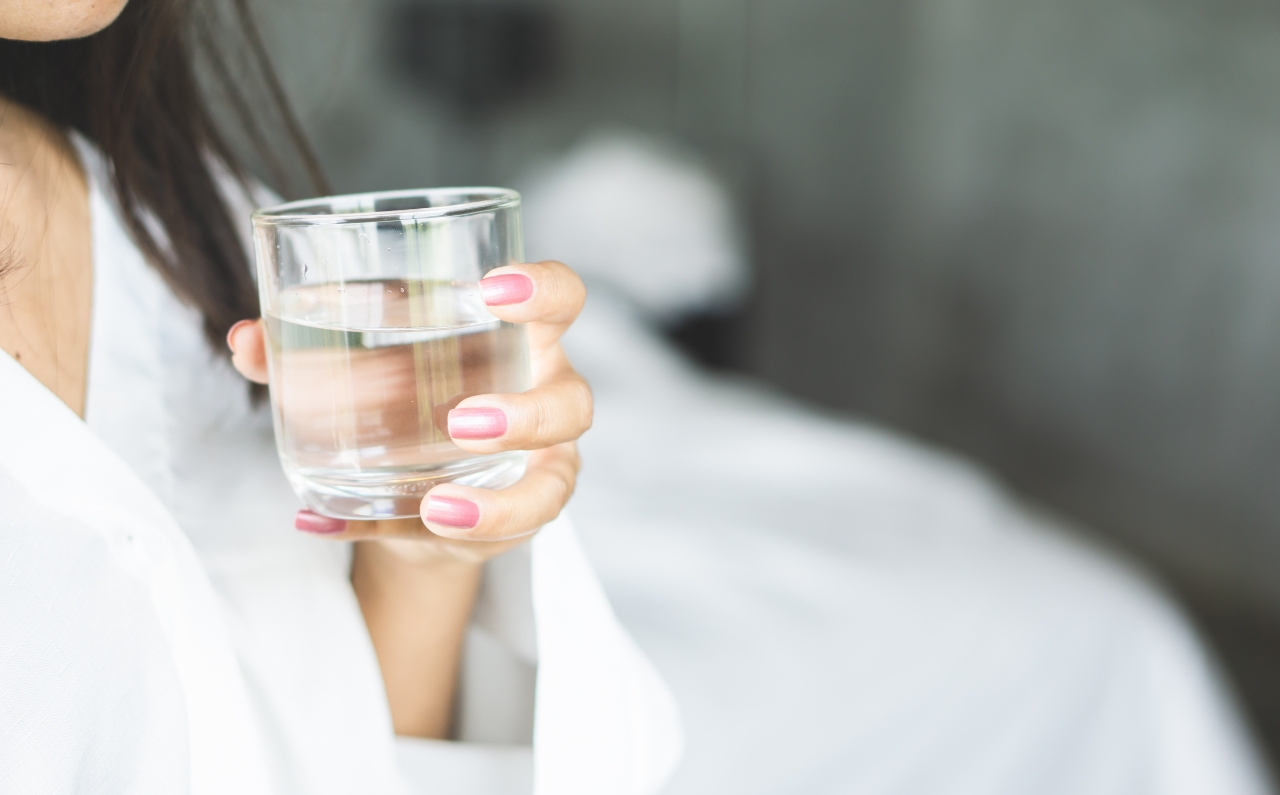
465,523
416,580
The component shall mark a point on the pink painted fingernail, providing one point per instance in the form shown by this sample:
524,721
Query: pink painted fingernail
452,512
231,332
477,423
312,522
509,288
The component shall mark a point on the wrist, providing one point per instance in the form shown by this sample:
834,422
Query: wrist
415,557
416,609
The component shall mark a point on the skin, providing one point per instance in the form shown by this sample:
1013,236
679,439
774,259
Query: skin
546,419
416,581
52,20
46,258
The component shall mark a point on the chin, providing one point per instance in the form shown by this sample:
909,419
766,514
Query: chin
33,20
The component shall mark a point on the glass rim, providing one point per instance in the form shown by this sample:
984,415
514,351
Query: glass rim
287,214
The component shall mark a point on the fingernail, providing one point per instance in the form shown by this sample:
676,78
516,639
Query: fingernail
509,288
477,423
231,332
312,522
452,512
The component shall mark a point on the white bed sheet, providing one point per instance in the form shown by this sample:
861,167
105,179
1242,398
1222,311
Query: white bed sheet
841,611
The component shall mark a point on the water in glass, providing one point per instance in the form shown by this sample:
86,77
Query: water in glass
364,374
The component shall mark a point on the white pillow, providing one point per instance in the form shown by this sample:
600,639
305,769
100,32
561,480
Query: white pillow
634,213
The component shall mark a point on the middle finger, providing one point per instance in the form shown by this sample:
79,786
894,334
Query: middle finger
557,410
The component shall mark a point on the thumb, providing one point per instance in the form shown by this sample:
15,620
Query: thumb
248,350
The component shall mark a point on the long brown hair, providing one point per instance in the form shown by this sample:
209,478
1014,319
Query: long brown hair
133,89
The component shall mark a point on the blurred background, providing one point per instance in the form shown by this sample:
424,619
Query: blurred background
1042,234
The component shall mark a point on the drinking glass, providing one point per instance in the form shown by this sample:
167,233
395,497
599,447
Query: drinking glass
375,330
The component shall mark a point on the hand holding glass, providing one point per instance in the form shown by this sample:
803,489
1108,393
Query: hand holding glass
375,330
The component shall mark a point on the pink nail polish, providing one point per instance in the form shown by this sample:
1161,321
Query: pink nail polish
509,288
477,423
312,522
452,512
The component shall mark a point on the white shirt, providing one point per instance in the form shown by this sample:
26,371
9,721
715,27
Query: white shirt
165,629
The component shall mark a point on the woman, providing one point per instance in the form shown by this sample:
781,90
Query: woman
170,621
164,628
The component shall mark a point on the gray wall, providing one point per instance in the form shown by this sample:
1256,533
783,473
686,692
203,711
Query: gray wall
1041,232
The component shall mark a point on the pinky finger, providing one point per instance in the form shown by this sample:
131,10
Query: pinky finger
475,514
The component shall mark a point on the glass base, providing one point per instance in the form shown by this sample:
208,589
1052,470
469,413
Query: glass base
397,492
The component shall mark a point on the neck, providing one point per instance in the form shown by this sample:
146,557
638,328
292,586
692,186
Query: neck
45,253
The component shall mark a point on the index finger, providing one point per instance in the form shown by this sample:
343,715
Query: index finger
546,295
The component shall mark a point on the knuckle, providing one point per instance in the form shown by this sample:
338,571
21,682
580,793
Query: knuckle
564,290
583,399
564,410
554,502
504,517
565,470
544,417
569,484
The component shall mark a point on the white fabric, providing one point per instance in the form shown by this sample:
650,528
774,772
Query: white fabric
115,669
466,768
840,611
164,629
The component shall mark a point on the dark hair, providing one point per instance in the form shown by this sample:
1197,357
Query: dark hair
133,90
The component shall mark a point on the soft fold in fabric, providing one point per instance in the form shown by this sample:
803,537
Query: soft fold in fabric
165,629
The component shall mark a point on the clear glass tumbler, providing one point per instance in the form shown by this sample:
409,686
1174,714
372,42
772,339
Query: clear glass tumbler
376,329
